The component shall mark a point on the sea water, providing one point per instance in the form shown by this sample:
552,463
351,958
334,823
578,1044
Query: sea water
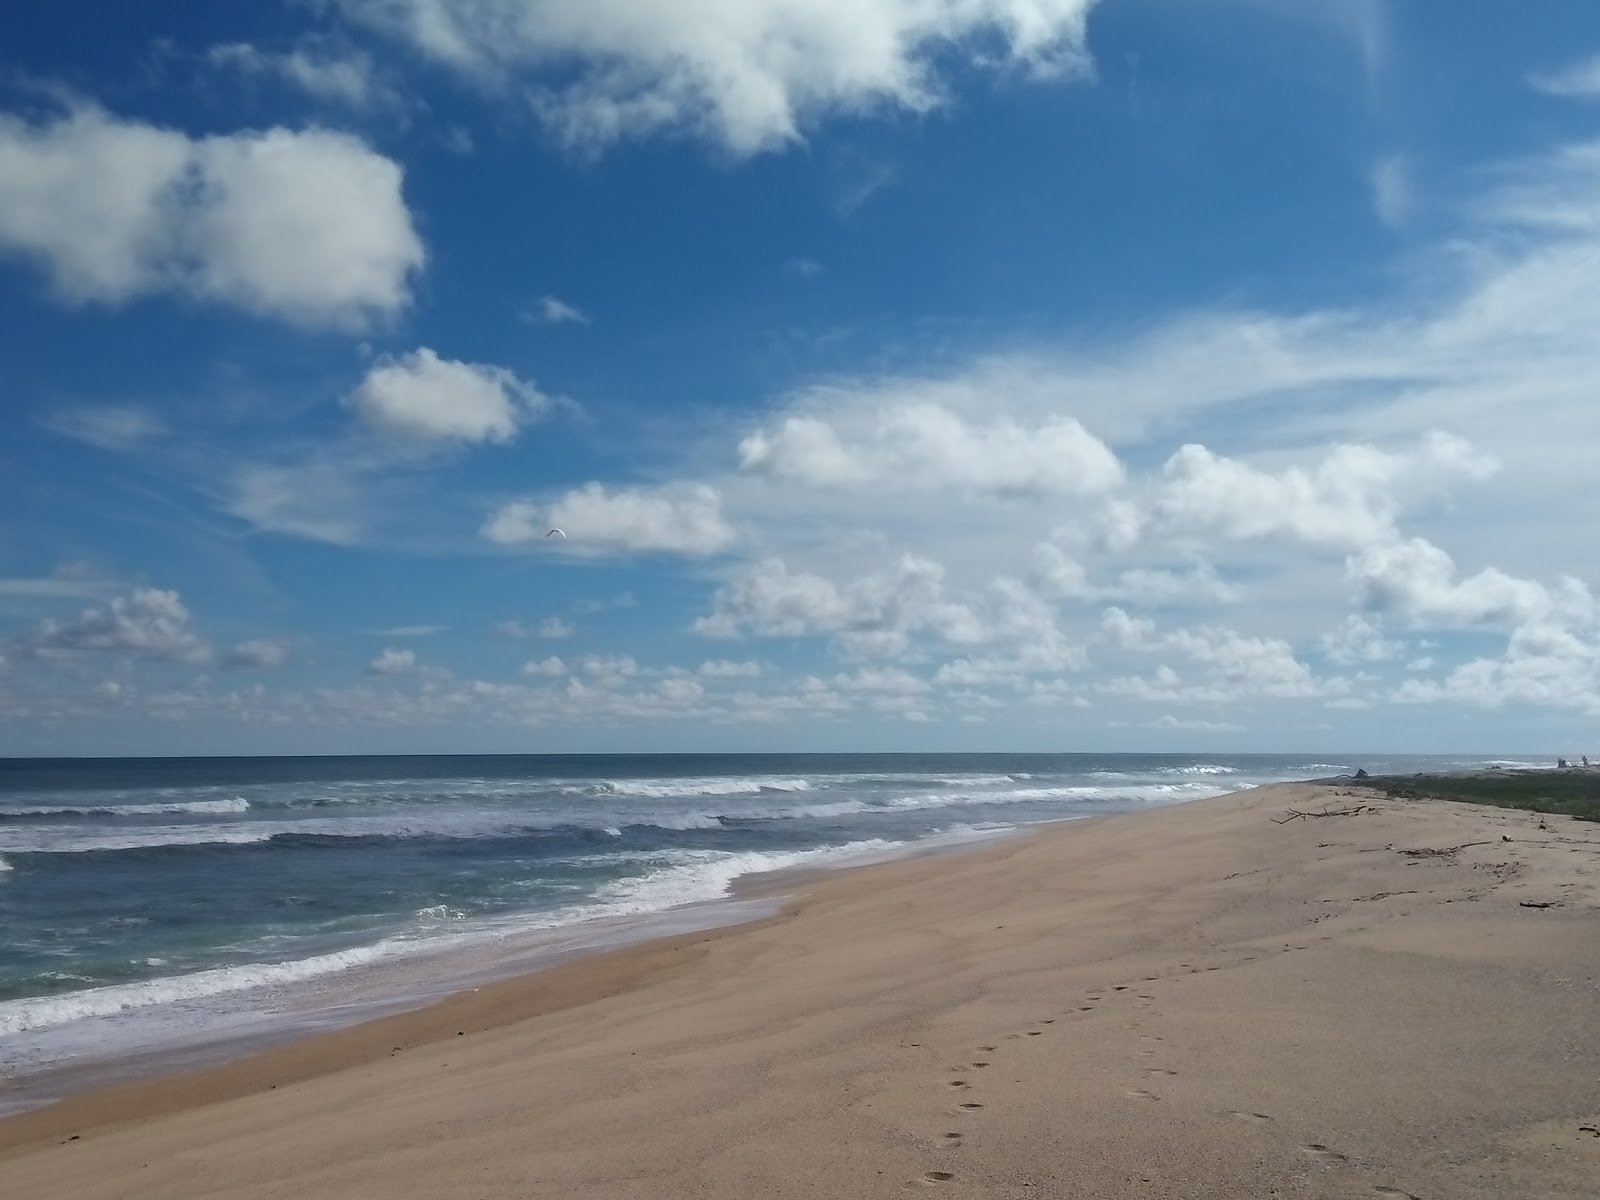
154,906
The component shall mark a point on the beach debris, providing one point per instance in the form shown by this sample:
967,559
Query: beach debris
1430,852
1539,903
1296,814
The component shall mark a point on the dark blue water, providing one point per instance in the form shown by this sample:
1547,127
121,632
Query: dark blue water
208,887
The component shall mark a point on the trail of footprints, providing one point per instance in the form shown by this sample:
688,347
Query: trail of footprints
1315,1151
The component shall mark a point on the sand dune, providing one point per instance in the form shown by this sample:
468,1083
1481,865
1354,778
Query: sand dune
1190,1002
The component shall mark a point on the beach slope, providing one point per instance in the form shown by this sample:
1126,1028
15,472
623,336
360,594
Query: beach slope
1201,1001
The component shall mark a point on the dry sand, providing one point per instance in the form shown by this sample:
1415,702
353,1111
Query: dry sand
1191,1002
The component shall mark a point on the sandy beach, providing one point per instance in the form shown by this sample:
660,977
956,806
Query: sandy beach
1197,1001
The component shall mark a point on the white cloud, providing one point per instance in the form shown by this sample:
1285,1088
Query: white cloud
892,680
1351,498
551,627
1417,581
393,662
746,75
407,631
318,501
421,395
549,668
344,78
552,310
72,581
769,598
108,426
1171,722
1577,80
1235,665
1358,639
1543,665
675,519
306,226
609,670
260,653
148,622
1393,192
925,447
804,267
721,668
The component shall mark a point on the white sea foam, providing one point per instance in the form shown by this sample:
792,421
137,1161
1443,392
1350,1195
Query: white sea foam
691,876
17,1016
693,820
196,807
4,866
57,839
1205,769
1136,792
720,786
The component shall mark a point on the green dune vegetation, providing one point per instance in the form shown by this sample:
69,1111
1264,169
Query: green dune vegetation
1574,792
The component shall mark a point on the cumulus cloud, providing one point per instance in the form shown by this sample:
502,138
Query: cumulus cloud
1543,665
548,668
347,79
420,395
771,599
148,622
393,662
550,627
1351,498
928,447
306,226
260,653
681,519
747,76
1417,582
1234,664
1358,639
722,668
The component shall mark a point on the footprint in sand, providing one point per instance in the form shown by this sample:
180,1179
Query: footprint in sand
1121,987
1393,1193
1322,1154
970,1104
1253,1117
1141,1094
938,1176
953,1136
1086,1008
959,1083
988,1049
1035,1033
1160,1071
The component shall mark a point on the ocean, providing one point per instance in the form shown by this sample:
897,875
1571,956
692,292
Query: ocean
152,909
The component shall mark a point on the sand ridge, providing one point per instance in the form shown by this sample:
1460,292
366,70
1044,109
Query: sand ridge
1188,1002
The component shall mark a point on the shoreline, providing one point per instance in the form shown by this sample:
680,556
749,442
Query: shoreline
750,898
1189,1001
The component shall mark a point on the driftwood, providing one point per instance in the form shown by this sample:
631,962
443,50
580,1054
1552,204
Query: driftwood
1295,814
1427,852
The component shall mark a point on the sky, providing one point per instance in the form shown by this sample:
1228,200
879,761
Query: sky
1057,375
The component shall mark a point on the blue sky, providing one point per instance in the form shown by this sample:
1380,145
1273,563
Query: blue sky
958,374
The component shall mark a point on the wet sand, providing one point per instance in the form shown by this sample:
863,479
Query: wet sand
1188,1002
